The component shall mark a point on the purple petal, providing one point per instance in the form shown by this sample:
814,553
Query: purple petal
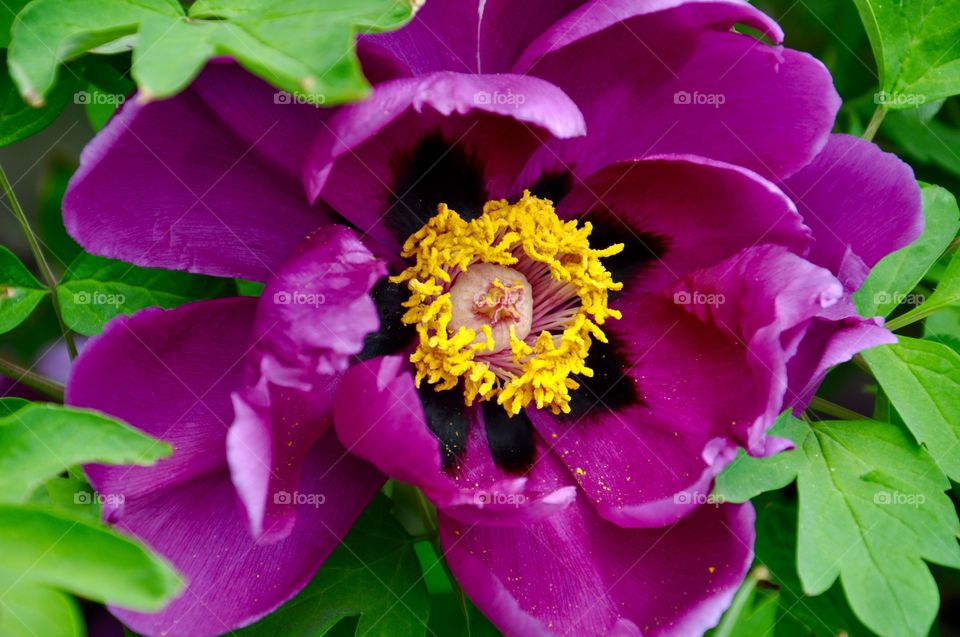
694,87
170,373
312,317
207,181
469,36
386,163
233,581
861,203
576,574
676,214
704,371
379,417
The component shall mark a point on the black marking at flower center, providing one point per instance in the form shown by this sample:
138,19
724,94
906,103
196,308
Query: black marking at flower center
447,419
610,387
434,172
393,335
510,439
553,186
641,249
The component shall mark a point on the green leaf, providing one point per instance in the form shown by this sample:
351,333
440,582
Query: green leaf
83,557
944,327
374,573
895,276
924,142
8,12
304,47
914,42
18,120
922,380
946,294
747,477
752,612
95,290
825,615
20,292
31,610
40,440
872,509
49,32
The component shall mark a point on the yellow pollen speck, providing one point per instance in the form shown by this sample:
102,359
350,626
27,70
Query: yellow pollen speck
581,472
538,369
712,569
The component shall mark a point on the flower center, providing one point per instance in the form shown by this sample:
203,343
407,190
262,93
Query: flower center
507,305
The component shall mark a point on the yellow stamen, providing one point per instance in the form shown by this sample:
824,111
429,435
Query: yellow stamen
504,235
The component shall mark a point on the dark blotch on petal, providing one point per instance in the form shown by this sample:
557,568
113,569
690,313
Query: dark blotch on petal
434,172
510,439
447,419
640,248
610,387
553,186
393,335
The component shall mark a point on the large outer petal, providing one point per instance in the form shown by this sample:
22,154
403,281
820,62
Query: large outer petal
469,36
680,213
207,181
861,203
379,417
576,574
707,363
312,317
369,164
693,87
170,373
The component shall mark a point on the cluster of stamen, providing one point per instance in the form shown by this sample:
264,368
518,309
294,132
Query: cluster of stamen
506,305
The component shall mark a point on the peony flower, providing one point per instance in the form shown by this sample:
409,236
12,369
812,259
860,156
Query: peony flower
554,271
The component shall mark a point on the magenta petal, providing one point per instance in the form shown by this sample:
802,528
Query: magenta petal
233,580
386,163
706,360
682,213
861,203
379,417
312,318
576,574
693,88
197,183
170,373
469,36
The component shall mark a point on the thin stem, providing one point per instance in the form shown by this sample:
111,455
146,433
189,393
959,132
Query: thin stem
908,318
874,125
24,376
824,406
42,264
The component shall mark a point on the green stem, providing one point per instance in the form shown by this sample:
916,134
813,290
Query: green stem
874,125
24,376
824,406
907,318
42,263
